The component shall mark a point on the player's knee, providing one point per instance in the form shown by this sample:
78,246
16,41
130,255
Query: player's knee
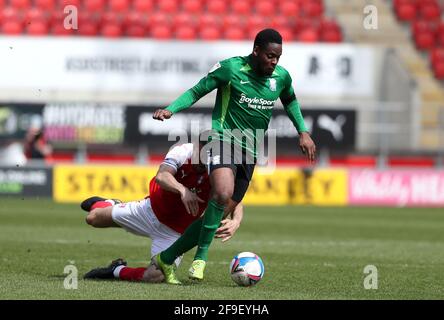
222,197
91,219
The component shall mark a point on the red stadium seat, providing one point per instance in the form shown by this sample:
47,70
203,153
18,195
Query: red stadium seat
161,32
265,8
20,4
111,30
192,6
429,11
217,7
208,20
158,18
183,19
87,17
45,4
95,5
286,33
289,8
303,23
279,22
256,22
438,70
87,29
37,28
168,6
210,33
134,18
313,9
440,27
425,40
59,30
12,27
406,12
64,3
186,33
119,5
143,6
234,34
36,14
136,31
436,55
252,32
329,24
308,35
439,39
232,21
110,17
242,7
331,36
421,25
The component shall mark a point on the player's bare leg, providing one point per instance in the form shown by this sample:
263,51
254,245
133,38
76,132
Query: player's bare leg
118,270
150,274
101,218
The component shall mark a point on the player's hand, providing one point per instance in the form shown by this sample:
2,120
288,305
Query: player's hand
191,201
307,146
162,114
227,229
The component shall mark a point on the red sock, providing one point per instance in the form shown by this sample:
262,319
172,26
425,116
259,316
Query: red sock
131,274
101,204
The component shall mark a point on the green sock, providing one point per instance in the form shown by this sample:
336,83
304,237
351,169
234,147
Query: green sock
211,221
187,241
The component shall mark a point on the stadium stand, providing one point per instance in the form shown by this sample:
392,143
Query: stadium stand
413,28
301,20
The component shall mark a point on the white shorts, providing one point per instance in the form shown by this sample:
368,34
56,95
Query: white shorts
138,218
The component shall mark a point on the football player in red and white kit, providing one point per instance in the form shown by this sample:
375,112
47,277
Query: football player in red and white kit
179,194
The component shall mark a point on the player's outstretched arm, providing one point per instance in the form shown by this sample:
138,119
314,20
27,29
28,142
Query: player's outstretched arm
166,180
216,77
293,110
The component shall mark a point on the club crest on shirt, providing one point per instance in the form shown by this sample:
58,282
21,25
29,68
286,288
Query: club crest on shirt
215,67
272,83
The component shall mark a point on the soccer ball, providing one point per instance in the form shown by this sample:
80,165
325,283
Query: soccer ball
246,269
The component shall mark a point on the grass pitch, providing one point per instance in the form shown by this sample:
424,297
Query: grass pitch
308,253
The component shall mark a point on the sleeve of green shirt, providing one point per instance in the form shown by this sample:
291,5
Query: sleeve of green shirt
291,105
218,76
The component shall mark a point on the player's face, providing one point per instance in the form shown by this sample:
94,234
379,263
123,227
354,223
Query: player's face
267,58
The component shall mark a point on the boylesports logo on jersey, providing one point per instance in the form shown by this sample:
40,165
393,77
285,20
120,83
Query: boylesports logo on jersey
256,103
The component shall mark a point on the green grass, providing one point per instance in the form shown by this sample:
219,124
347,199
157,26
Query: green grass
308,252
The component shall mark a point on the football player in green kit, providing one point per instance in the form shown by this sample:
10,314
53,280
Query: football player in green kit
247,88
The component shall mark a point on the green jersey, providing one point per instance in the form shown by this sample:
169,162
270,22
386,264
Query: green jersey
244,101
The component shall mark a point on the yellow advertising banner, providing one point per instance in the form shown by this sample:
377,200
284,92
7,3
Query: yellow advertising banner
319,187
74,183
295,186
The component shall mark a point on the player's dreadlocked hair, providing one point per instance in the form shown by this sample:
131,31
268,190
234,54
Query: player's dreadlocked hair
266,36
